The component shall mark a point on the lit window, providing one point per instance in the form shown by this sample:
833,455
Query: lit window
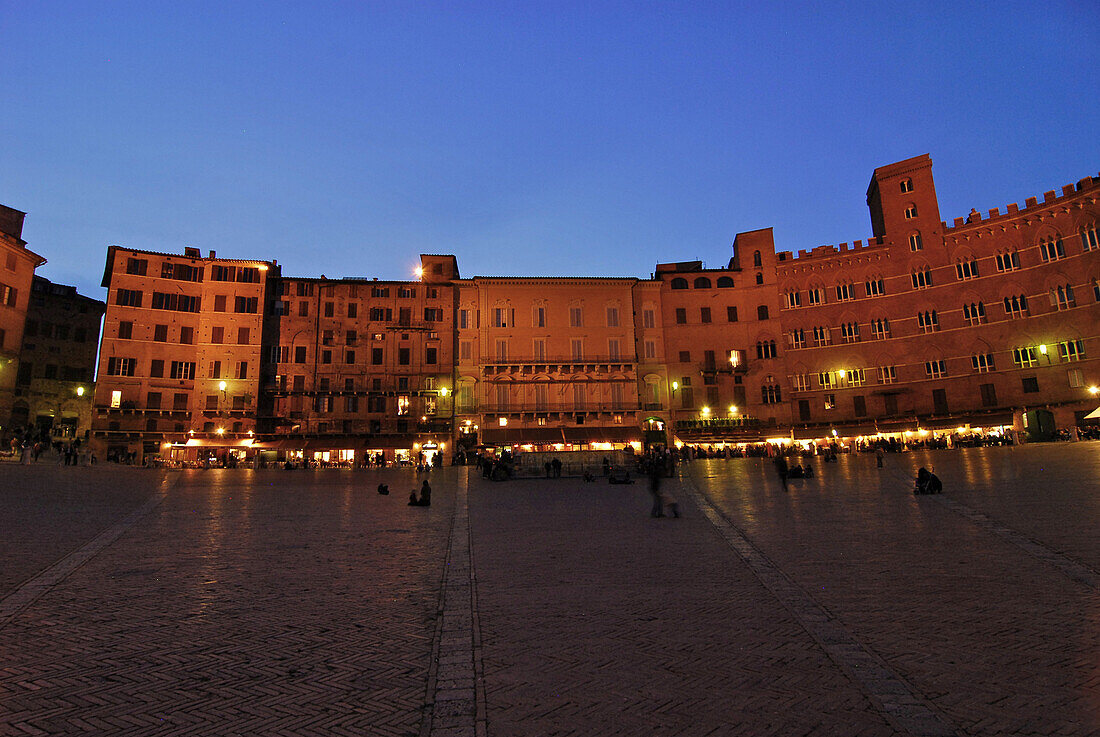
1024,357
801,382
1071,350
827,379
855,377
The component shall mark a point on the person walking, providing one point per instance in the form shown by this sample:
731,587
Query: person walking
655,472
782,469
879,456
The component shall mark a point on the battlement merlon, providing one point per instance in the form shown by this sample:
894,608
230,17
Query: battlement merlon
1083,189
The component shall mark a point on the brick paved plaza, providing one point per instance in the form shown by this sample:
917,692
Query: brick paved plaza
239,602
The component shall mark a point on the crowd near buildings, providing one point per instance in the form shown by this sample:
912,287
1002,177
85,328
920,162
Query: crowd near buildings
988,325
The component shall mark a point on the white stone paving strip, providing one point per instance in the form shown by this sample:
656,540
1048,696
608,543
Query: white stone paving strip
456,690
902,705
1072,568
32,589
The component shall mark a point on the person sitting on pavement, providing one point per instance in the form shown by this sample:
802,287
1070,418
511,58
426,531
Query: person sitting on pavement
927,482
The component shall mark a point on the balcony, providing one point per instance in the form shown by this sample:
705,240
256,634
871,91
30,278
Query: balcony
558,407
722,427
549,361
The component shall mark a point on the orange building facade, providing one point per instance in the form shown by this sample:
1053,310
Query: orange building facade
989,322
17,265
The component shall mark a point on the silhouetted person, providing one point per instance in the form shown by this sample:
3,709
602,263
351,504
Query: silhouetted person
655,474
556,466
781,469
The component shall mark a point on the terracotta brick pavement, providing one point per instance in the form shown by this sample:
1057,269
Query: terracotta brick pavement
280,603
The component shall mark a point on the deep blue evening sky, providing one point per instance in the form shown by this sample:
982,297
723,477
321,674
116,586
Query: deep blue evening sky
527,138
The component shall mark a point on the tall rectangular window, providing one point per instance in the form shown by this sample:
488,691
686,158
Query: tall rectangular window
576,317
576,346
648,318
612,317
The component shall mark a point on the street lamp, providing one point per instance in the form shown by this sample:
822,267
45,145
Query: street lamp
80,391
1094,390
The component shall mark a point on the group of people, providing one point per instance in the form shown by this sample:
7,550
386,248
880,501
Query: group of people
27,449
425,499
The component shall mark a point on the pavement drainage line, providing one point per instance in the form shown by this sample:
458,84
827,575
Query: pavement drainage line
900,704
30,591
455,695
1073,569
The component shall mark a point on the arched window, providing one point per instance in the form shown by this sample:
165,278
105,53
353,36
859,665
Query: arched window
702,283
759,278
974,312
1061,297
1051,249
910,211
906,185
915,242
771,393
928,321
1016,306
1090,238
765,349
756,260
724,282
679,283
